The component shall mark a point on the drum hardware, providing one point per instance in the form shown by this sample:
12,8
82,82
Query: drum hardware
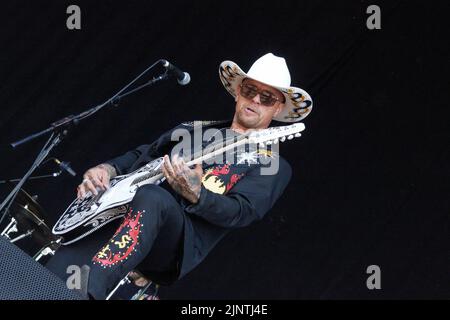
11,227
27,234
27,224
50,249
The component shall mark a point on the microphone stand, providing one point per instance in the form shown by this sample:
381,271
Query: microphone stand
59,129
51,175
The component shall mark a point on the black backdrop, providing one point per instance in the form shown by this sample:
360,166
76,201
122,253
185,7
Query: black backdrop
370,183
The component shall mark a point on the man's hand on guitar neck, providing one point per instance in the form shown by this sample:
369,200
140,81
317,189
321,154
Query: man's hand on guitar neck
96,177
187,182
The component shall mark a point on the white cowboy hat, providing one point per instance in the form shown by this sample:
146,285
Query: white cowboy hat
273,71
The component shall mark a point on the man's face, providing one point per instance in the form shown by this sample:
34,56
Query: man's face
251,113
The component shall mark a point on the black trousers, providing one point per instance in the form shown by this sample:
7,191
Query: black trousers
150,235
149,239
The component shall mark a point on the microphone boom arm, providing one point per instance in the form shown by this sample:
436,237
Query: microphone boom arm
59,130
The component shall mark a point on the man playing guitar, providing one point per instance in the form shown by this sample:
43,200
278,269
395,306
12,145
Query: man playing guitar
170,228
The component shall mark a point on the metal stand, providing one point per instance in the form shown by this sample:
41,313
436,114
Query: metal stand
27,234
52,175
60,129
49,145
50,249
125,280
11,227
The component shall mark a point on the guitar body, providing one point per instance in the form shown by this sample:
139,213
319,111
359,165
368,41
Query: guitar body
84,216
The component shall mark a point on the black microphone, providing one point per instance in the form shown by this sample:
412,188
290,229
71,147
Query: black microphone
183,78
65,166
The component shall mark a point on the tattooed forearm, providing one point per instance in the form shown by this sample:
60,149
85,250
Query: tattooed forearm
188,184
185,181
194,185
109,168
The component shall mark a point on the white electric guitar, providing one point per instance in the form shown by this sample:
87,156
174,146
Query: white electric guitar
88,214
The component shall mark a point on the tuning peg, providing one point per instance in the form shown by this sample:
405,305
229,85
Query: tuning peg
283,139
275,141
297,135
290,137
269,142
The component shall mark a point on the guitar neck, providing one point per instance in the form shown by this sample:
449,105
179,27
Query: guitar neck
216,150
198,157
272,135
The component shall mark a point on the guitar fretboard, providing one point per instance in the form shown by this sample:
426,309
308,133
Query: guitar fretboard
209,151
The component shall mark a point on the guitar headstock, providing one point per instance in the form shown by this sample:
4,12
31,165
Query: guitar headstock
276,134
